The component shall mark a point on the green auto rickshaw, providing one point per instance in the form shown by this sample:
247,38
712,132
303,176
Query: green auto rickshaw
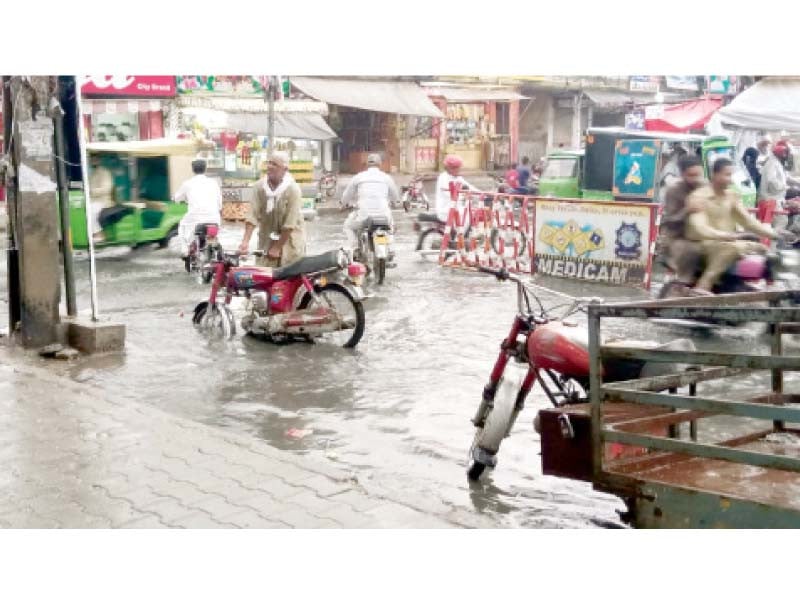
145,174
589,173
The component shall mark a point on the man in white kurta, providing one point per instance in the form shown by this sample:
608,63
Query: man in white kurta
204,198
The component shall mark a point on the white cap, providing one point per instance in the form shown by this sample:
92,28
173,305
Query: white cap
374,159
280,157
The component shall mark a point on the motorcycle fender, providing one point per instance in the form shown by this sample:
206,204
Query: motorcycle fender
356,291
381,250
196,316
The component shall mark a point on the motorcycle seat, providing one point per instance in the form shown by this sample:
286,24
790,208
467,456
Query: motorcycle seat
429,218
309,264
202,228
373,223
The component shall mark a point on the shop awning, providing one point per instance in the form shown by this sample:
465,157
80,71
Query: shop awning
770,105
686,116
466,94
296,125
609,98
400,97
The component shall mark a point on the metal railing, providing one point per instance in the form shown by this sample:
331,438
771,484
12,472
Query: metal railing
706,366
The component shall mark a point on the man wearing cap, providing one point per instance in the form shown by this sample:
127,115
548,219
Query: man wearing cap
276,209
452,173
370,190
204,198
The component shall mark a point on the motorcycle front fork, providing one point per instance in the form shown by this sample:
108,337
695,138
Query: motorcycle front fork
508,350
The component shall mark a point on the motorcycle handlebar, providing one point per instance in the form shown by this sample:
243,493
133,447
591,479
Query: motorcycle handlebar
501,274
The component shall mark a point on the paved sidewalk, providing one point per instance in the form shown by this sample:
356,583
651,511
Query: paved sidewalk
72,458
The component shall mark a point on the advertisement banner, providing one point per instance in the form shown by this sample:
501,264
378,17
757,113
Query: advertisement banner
606,242
644,83
240,85
130,86
682,83
635,120
636,168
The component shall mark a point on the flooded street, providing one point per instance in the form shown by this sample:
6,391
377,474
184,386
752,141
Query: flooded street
395,411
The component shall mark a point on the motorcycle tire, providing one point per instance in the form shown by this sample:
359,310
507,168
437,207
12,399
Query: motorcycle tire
523,246
206,275
496,425
431,240
218,323
329,291
380,270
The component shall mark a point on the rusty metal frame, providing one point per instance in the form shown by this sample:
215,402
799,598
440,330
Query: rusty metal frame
689,408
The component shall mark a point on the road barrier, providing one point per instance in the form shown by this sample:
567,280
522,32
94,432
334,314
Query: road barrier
607,242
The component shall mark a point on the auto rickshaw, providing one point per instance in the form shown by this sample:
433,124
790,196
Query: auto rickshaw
146,175
589,173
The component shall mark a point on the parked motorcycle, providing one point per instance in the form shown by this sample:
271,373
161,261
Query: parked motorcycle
327,185
305,300
413,195
374,246
556,354
202,251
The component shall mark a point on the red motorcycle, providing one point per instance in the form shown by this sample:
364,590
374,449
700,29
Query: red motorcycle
304,300
202,250
414,196
556,353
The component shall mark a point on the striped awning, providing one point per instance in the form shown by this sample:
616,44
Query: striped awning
98,107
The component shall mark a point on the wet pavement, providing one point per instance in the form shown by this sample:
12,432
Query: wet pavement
395,412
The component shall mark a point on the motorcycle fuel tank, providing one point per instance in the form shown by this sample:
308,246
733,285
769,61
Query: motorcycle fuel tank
252,277
560,347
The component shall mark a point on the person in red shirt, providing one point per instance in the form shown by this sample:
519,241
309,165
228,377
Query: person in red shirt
512,177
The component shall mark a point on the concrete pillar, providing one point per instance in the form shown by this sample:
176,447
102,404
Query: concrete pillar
37,225
513,130
551,122
576,121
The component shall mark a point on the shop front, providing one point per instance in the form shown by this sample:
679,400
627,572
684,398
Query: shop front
391,118
238,128
481,125
125,108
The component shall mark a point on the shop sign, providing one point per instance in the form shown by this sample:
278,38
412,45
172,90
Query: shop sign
155,86
634,120
229,84
644,83
635,168
605,242
719,84
682,83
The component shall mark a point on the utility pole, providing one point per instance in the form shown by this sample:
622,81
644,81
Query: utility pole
273,83
33,212
57,113
12,254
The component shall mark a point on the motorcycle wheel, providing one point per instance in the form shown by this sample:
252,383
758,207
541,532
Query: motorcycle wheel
406,202
206,275
509,249
349,309
496,425
380,270
431,240
217,323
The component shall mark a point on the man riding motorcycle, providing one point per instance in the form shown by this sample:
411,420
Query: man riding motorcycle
452,170
684,255
715,212
204,198
372,189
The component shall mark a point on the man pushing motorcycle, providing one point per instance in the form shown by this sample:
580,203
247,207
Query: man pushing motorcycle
276,211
